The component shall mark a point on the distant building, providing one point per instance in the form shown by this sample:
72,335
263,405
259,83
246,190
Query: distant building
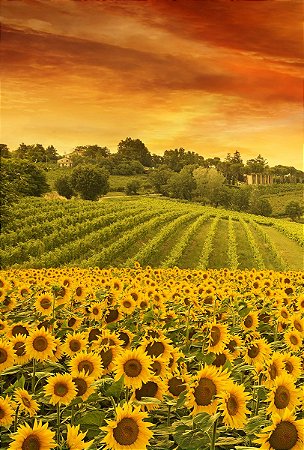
65,162
258,178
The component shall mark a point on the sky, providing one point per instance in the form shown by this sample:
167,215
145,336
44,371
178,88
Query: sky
211,76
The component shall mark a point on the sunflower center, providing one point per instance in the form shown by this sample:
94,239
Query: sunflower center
107,357
2,326
112,316
148,389
81,386
253,351
132,368
176,386
94,333
126,432
79,291
3,355
40,343
204,392
45,303
19,348
127,304
282,397
288,367
284,314
107,341
231,345
273,372
74,345
156,367
232,405
26,402
215,336
220,360
95,311
298,326
125,338
248,322
61,389
284,437
155,349
294,339
19,329
86,365
2,413
71,322
32,442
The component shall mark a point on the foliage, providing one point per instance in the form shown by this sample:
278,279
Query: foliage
132,187
293,210
63,187
209,184
182,184
36,153
135,149
89,181
178,158
159,178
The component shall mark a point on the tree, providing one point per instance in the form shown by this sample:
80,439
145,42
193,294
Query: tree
24,177
182,184
132,187
4,151
232,168
258,205
256,165
209,184
135,149
90,181
63,187
178,158
293,210
36,153
159,178
240,198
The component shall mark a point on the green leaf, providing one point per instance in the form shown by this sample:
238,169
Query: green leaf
92,418
115,389
203,421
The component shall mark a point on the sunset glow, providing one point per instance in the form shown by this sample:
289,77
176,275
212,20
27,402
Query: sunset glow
209,76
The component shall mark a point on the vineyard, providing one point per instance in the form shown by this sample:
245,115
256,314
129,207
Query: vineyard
154,232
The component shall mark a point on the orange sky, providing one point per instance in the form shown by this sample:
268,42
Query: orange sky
211,76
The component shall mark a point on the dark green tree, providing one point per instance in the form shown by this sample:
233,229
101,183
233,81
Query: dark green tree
4,151
178,158
293,210
135,149
232,168
90,181
182,184
25,177
159,178
256,165
63,187
132,187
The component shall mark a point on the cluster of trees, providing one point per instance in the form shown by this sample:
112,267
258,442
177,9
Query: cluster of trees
33,152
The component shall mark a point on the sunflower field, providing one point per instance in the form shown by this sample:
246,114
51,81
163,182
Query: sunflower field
151,358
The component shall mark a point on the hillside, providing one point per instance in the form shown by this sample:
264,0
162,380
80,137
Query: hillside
156,232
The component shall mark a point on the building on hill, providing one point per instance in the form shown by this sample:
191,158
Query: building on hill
258,178
65,162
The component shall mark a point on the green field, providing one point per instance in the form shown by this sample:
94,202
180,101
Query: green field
156,232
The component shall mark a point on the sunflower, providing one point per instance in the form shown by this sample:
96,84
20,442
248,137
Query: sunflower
3,326
57,352
74,322
283,395
18,343
208,383
298,323
300,303
6,355
84,386
6,412
19,328
233,404
234,345
80,293
75,438
285,433
112,315
157,347
26,401
221,358
134,365
37,438
126,337
293,340
107,338
159,367
61,389
176,384
9,303
128,431
88,363
283,314
274,368
127,305
44,304
218,337
256,352
250,322
40,344
74,343
293,365
153,388
95,311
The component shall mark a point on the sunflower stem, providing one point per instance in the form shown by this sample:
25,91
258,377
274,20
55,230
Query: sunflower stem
169,418
33,376
16,418
256,410
72,415
212,446
58,422
114,404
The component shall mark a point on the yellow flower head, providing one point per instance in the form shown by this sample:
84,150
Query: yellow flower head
284,395
61,389
26,401
40,344
87,363
233,404
6,355
75,438
135,366
128,431
6,412
37,438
